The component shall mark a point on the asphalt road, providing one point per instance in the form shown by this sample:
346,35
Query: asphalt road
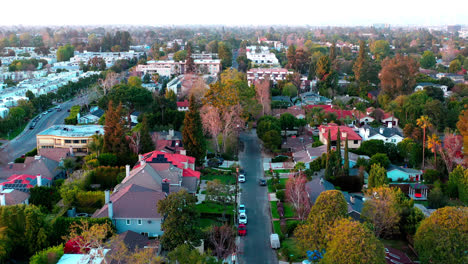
26,141
255,247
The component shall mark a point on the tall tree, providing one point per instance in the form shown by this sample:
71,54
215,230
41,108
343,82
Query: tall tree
296,194
377,176
114,131
192,133
428,60
291,56
443,236
343,248
212,123
146,142
424,123
346,158
451,149
381,209
380,49
180,222
189,63
262,90
223,239
462,126
333,51
398,75
433,144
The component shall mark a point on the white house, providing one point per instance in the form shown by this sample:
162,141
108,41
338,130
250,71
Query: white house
386,134
261,55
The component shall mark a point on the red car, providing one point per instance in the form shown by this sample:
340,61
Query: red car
242,230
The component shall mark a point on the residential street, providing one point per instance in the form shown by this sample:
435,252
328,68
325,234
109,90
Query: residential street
255,247
26,141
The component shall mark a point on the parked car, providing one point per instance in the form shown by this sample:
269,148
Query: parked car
262,182
242,218
241,208
241,178
274,241
242,230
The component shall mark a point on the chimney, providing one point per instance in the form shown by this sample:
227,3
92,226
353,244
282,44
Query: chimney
390,124
344,135
39,180
107,196
183,152
165,185
140,157
381,130
2,200
127,171
110,210
351,199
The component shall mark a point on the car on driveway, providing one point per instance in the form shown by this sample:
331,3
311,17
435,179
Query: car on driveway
241,208
262,182
241,178
242,218
242,230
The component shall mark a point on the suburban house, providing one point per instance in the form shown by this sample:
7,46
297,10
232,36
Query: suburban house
46,167
134,208
134,117
183,106
396,173
13,197
295,110
318,185
456,78
274,74
71,137
386,134
310,98
364,118
133,205
170,142
24,182
354,140
91,118
331,109
297,143
261,55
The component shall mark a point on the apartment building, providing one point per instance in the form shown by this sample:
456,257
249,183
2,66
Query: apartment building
170,67
274,74
261,55
75,138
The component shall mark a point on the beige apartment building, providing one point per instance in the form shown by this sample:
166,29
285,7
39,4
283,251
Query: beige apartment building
68,136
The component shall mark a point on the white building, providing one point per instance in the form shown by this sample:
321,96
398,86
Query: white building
386,134
170,67
261,55
109,57
274,74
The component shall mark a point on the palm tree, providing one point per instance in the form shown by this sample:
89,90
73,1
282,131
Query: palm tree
96,144
433,143
424,122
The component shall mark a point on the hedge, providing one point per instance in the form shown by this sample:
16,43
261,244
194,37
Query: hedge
72,119
47,256
61,227
89,202
107,177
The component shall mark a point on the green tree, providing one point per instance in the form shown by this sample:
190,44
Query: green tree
323,67
290,90
380,158
458,184
343,248
47,256
64,53
187,254
455,66
428,60
443,236
382,211
181,220
225,54
272,140
287,122
377,176
424,123
146,142
30,95
192,133
180,55
380,49
134,81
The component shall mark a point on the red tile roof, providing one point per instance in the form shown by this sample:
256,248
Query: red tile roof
334,131
340,114
177,160
29,180
183,104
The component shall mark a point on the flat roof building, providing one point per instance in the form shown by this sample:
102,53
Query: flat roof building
68,136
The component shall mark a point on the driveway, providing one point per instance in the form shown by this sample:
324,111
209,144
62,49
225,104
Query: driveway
255,247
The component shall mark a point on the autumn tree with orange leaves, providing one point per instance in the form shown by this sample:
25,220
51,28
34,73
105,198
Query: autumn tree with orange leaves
398,75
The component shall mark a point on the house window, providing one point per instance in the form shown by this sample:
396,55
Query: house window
140,222
128,221
76,141
83,141
67,141
356,142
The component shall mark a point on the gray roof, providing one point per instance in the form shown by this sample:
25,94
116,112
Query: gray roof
387,132
133,201
32,166
190,183
315,187
98,113
405,170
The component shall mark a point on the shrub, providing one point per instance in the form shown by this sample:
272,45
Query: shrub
280,158
31,153
107,159
381,159
280,195
47,256
61,226
107,177
89,202
19,160
431,176
317,144
72,118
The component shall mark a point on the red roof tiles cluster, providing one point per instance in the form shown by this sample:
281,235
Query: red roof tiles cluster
29,180
333,128
340,114
178,160
184,103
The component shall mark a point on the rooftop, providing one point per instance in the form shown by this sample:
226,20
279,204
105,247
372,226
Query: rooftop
73,131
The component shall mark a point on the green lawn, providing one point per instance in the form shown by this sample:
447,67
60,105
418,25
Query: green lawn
291,247
400,245
282,184
207,222
214,208
274,210
277,227
288,210
279,171
225,179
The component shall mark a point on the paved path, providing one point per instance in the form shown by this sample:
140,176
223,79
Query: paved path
255,247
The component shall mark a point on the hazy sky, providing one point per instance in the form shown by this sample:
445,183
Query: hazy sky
233,12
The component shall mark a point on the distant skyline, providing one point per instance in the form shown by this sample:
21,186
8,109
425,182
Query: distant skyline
237,12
